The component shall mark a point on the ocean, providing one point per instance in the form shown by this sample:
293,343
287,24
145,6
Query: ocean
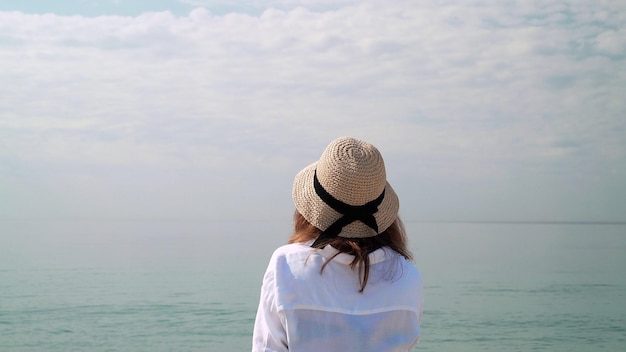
194,285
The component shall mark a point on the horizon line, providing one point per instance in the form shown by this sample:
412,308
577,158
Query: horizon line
546,222
457,221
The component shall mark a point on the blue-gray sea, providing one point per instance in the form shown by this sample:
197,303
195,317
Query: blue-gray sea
193,285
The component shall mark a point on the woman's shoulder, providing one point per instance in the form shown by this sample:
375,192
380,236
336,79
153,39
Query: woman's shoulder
292,250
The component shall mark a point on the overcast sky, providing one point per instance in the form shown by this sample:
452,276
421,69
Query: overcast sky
191,109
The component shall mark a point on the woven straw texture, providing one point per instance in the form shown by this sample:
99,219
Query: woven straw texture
352,171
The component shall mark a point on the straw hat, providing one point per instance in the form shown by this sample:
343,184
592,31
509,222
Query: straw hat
346,190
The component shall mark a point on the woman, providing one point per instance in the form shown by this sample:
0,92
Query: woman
344,282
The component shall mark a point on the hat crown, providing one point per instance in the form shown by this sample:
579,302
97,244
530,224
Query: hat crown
352,171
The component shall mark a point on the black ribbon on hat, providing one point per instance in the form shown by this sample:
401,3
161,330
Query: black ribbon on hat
351,213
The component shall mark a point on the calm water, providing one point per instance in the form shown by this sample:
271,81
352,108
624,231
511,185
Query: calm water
193,286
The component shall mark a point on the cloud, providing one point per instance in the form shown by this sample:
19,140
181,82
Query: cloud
478,91
260,5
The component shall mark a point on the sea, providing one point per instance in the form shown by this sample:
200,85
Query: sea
193,285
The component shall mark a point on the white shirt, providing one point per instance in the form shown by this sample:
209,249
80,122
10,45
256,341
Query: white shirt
302,310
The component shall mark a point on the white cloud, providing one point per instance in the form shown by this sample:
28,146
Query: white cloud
613,42
480,91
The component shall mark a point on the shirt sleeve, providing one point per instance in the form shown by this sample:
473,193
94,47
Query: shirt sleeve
269,331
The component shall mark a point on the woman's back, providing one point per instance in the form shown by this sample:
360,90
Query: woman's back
328,313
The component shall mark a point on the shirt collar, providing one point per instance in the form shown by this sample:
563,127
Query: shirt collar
377,256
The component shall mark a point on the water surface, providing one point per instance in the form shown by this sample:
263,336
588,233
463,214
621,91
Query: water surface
193,285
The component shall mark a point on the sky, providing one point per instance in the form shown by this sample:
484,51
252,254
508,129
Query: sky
483,110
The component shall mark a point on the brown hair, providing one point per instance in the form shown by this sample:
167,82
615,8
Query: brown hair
393,237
